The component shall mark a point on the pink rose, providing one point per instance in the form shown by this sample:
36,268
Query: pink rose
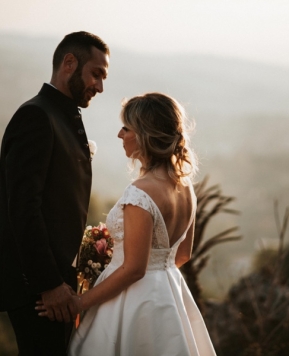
101,246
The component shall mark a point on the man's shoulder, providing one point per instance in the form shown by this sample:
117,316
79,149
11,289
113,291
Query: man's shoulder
31,108
40,106
37,110
38,101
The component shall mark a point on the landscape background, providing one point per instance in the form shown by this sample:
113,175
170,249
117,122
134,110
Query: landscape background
227,62
241,112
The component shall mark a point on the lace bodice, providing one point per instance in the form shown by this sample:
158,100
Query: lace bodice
162,255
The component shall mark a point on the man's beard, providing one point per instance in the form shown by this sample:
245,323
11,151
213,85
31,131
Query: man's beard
77,88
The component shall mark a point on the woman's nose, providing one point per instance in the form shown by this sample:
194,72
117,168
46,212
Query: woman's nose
120,134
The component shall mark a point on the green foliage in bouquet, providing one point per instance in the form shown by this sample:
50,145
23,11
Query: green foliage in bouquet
95,254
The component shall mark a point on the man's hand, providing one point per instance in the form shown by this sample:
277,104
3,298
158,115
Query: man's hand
58,304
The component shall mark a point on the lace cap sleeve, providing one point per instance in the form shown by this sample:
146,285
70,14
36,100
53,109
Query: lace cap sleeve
137,197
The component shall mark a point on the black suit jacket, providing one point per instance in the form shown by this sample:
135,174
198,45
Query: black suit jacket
45,182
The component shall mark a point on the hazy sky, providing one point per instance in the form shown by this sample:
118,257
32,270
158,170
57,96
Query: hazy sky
251,29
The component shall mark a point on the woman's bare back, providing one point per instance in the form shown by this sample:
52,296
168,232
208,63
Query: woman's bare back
174,202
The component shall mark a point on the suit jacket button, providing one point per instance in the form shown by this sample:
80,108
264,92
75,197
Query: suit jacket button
77,117
80,131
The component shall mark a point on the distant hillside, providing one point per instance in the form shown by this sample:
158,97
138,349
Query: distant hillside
241,111
236,104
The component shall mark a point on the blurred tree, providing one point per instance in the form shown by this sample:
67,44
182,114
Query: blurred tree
254,318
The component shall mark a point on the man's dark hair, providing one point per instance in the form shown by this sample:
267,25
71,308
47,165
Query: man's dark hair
80,45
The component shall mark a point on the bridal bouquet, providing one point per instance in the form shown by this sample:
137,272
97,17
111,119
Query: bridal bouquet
95,254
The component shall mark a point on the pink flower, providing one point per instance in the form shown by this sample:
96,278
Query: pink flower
101,226
101,246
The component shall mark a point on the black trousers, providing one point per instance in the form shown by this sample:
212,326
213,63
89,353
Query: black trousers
38,336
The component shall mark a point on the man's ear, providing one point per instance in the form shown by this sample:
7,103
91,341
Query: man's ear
69,63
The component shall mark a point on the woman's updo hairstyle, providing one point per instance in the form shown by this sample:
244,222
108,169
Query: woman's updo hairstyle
159,124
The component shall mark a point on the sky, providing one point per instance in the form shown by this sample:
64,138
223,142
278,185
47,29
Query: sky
255,30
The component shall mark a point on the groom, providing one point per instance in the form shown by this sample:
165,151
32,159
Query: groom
45,182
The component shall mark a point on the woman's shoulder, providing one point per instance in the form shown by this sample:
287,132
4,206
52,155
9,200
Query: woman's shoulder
140,191
145,185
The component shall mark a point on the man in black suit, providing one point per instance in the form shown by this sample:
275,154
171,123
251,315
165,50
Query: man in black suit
45,182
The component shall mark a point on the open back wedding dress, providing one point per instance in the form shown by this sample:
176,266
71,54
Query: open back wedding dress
156,316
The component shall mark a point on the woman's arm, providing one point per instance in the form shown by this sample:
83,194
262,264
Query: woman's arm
184,252
138,228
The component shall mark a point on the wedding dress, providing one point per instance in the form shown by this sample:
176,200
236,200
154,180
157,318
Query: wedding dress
156,316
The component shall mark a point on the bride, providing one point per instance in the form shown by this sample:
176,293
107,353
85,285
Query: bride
141,305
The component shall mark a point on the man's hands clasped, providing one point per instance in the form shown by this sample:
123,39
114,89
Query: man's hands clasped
60,304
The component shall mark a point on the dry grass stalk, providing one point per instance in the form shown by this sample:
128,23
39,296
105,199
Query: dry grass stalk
211,202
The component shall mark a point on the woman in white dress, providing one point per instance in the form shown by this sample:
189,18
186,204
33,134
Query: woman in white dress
141,305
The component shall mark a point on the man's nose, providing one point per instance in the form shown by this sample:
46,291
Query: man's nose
99,86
